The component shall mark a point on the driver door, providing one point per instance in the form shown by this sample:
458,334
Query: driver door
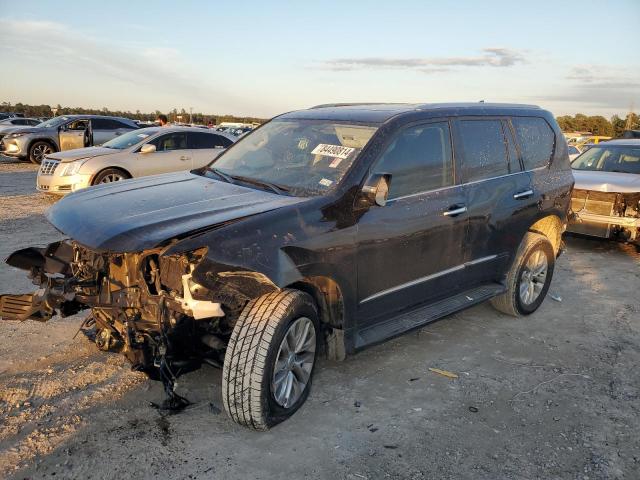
411,250
172,155
72,135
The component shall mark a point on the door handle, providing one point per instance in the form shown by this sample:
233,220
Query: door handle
454,211
184,158
525,194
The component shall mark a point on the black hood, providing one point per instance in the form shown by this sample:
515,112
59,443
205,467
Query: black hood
138,214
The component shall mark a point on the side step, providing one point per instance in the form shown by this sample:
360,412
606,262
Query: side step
21,307
423,315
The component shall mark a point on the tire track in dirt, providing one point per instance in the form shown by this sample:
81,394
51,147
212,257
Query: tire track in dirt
44,404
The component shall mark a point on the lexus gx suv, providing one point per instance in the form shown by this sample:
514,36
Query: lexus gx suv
325,230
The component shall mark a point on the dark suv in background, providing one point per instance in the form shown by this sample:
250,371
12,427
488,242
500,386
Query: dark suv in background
65,132
330,229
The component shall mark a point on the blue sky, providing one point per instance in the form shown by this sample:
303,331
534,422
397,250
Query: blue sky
259,58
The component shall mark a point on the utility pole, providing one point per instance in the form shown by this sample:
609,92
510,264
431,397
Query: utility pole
191,115
627,124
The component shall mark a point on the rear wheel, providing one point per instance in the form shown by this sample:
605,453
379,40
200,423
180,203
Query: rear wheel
270,359
111,175
529,278
38,150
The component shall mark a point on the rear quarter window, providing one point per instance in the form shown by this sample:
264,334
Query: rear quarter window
536,140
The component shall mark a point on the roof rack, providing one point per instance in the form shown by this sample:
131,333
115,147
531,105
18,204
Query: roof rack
327,105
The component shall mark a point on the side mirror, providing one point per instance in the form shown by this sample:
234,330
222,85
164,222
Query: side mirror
376,189
148,148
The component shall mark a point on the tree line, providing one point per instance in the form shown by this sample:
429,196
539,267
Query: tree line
597,124
174,115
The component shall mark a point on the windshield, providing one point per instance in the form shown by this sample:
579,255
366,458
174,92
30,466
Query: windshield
53,122
609,159
130,139
305,157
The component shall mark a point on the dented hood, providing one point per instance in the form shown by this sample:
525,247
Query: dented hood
606,181
142,213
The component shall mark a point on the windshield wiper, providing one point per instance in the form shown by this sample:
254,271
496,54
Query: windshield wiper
223,176
279,189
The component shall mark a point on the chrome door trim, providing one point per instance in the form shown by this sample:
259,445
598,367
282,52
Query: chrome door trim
426,278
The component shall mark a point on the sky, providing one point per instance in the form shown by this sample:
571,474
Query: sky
265,58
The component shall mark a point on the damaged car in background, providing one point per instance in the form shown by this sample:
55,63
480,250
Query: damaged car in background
325,230
606,197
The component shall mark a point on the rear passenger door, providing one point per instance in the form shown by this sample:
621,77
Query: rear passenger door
205,147
499,196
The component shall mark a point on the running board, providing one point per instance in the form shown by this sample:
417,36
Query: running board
423,315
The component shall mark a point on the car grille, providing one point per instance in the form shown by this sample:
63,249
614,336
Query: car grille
48,167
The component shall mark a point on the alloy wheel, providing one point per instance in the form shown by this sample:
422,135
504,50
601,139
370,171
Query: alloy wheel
40,151
294,362
112,177
533,277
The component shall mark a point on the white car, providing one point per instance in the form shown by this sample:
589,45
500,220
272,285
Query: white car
573,152
147,151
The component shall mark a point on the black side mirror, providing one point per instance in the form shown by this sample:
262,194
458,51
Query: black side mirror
376,189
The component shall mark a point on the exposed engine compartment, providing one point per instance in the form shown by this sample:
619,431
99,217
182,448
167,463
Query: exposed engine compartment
145,305
606,214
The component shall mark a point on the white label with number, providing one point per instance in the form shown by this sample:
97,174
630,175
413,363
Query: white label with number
336,151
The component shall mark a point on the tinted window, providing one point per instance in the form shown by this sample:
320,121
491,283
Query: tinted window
208,140
485,149
100,124
107,124
419,159
170,141
573,151
120,124
536,140
33,122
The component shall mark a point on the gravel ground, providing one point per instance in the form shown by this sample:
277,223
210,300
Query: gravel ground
555,395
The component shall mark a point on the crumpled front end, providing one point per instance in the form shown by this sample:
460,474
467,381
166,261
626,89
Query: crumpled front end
606,214
145,305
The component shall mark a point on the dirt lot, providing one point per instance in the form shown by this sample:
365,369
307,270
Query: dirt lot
555,395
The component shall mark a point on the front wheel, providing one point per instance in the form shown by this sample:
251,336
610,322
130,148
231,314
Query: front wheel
270,359
111,175
529,278
38,150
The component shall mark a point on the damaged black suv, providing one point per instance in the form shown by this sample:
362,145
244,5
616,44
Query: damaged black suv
325,230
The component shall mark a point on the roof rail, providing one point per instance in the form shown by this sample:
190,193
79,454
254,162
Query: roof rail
326,105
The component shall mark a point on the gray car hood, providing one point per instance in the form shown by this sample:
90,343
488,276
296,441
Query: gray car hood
6,129
138,214
80,153
607,181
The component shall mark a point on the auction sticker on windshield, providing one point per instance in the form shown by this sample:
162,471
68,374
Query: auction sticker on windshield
337,151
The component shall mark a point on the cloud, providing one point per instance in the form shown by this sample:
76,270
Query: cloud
490,57
605,87
114,69
602,76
